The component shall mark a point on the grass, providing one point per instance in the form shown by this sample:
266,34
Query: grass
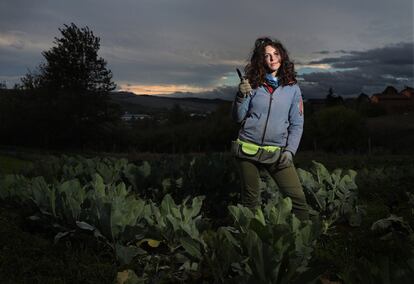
11,165
351,161
30,257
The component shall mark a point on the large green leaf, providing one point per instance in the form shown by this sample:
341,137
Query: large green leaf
321,173
191,246
167,205
254,247
194,210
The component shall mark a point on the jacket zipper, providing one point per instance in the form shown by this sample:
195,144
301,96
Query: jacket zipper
267,118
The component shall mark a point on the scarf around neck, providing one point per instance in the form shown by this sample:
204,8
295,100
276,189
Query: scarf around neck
272,81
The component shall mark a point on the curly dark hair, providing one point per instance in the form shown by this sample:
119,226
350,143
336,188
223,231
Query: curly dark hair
256,70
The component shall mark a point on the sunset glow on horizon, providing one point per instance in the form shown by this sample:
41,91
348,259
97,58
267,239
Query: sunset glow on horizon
160,89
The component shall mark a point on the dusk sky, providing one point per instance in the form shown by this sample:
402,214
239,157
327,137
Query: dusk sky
192,47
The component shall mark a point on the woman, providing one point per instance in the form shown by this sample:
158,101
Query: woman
270,109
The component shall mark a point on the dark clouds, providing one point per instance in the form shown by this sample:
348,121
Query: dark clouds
198,43
222,92
365,71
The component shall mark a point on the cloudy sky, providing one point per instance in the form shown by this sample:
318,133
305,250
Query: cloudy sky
192,47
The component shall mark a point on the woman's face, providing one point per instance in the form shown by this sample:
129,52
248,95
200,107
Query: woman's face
272,58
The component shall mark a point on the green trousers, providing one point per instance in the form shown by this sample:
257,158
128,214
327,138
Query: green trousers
286,178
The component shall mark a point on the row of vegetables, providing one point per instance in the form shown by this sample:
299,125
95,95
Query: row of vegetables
161,219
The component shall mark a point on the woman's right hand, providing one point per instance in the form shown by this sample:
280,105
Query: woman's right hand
244,88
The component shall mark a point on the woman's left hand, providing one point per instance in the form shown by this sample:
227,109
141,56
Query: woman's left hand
286,159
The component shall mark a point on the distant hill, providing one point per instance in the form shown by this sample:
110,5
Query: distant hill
149,103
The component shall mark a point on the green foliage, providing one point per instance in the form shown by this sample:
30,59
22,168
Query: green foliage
394,180
391,225
177,115
112,208
178,227
28,255
169,132
411,201
113,214
391,257
10,164
152,217
14,187
368,109
268,245
338,128
333,195
181,177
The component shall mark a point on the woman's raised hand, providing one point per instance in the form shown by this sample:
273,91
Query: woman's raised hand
244,86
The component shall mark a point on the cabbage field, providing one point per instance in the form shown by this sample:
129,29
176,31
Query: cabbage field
178,220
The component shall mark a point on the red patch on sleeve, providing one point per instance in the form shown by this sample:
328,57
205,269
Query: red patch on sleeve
300,106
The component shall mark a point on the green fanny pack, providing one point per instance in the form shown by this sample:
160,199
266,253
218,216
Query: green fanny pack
254,152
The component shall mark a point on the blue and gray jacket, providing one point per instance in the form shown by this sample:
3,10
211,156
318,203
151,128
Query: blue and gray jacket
274,119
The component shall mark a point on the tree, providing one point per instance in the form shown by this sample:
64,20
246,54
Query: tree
363,98
338,129
72,88
177,115
73,64
332,99
330,94
31,81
